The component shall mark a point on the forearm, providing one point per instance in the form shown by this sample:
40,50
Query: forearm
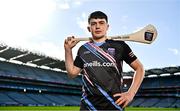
137,80
69,63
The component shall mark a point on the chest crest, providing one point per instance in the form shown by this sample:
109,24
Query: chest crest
111,51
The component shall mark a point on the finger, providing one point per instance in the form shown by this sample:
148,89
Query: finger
74,40
65,41
122,101
125,104
69,38
77,41
118,94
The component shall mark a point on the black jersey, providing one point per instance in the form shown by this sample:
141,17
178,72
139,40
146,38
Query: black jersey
101,74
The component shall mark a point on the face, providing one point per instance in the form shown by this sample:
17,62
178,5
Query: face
98,28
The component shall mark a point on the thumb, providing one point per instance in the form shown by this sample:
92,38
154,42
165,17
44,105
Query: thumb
118,94
75,40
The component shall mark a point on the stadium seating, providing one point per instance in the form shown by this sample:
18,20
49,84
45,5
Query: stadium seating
33,86
150,102
35,99
158,92
22,71
176,104
5,100
165,102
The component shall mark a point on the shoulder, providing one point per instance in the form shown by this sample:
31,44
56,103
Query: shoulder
117,43
82,48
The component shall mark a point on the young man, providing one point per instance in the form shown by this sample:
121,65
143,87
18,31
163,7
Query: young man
100,63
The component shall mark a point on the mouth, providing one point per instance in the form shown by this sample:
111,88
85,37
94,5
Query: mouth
98,32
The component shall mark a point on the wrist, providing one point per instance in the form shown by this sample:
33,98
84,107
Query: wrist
68,49
131,92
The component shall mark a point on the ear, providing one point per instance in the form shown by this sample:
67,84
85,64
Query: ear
89,29
107,26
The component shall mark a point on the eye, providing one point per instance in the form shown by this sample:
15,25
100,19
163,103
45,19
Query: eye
101,22
93,23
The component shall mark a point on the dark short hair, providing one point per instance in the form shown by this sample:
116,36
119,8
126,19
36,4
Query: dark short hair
96,15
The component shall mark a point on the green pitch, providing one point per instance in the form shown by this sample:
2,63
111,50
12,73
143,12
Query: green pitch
39,108
74,108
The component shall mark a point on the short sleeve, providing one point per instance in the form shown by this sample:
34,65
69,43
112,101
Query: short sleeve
128,55
78,62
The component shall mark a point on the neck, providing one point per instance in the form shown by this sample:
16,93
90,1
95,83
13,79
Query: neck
101,39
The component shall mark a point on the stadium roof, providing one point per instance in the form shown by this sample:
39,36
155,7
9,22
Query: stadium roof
39,59
157,71
25,56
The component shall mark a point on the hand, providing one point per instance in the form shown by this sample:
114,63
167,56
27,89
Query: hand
70,42
124,98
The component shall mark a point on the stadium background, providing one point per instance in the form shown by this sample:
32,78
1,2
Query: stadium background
37,81
34,79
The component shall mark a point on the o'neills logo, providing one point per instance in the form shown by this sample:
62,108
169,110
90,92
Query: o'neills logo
99,64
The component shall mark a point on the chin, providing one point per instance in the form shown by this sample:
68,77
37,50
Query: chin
98,36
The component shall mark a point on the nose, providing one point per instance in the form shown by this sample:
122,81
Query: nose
97,26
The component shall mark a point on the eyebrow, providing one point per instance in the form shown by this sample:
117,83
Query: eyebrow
98,21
